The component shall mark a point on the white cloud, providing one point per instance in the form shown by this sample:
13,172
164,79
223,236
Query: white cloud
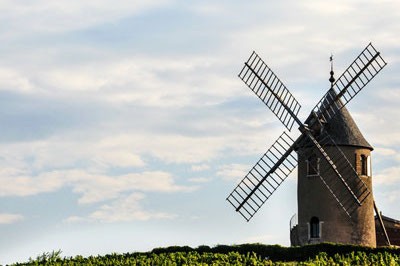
45,16
12,80
389,95
387,176
84,160
207,9
92,187
124,209
75,219
10,218
200,167
378,119
381,151
199,180
147,81
127,209
324,8
97,188
22,184
164,81
233,172
118,158
65,151
392,196
172,148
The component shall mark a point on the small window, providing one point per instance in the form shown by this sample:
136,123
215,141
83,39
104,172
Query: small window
365,165
314,228
313,165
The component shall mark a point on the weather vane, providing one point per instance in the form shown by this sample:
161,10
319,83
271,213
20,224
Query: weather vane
331,79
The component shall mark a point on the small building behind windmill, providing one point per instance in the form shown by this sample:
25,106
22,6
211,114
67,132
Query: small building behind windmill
392,227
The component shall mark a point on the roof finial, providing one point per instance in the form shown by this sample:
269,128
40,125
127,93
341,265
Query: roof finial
331,79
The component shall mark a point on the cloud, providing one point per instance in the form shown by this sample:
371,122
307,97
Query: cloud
120,195
389,95
10,218
208,9
75,219
381,151
124,209
200,167
97,188
84,158
171,148
11,79
193,149
340,9
118,158
127,209
233,172
92,187
392,196
66,151
164,81
16,182
44,16
199,180
375,125
387,176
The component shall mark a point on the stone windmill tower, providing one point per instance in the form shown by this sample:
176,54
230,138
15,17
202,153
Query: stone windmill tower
335,200
319,218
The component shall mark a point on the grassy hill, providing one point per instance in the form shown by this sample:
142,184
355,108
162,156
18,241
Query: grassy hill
246,254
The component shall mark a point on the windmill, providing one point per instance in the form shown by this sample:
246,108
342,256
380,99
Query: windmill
327,162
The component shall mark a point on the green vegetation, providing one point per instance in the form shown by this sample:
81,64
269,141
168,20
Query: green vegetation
248,254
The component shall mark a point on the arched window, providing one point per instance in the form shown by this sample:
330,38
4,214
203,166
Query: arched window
313,165
314,227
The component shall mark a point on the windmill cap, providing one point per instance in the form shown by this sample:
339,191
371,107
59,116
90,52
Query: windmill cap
345,132
342,128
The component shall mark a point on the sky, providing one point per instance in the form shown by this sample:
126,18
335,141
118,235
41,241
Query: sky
124,125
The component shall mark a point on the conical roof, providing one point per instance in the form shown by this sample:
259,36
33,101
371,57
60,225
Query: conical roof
343,130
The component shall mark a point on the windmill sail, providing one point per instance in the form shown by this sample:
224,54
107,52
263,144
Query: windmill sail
268,87
363,69
264,178
278,162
